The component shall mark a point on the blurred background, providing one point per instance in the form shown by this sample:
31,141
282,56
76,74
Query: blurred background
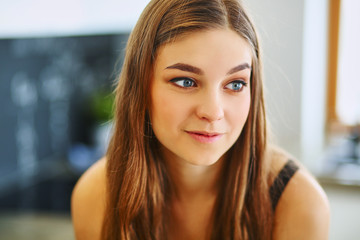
58,63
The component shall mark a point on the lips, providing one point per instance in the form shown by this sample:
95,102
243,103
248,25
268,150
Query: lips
205,137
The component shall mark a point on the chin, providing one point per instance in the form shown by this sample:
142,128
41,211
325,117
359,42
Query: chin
203,160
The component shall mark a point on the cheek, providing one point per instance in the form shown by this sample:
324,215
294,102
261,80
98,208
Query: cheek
240,114
165,111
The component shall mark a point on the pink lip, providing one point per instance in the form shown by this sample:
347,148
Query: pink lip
204,137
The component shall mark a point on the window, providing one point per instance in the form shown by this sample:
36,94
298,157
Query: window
344,65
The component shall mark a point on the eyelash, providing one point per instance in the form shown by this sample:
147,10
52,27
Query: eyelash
183,79
193,83
241,82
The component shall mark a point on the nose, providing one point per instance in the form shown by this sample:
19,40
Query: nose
210,107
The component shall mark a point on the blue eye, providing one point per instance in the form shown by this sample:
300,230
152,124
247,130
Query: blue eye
236,86
183,82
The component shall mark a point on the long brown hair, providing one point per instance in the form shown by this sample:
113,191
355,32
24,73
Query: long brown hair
137,183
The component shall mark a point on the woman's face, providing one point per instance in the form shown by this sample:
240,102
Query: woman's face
200,95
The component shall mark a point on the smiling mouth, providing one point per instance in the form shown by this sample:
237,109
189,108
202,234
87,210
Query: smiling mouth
205,137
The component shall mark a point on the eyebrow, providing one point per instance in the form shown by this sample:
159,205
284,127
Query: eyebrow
239,68
189,68
186,68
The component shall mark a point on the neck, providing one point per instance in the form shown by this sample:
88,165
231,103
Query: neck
194,192
191,182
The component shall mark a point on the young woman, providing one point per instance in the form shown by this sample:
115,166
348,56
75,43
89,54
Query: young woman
189,157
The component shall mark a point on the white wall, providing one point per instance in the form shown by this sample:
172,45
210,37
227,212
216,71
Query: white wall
35,18
294,40
280,25
314,83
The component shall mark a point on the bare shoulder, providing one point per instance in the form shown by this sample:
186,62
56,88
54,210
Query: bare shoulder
303,209
88,202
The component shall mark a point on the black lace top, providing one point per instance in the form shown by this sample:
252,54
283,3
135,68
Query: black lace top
281,181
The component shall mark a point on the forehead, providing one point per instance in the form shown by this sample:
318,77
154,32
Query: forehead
216,45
